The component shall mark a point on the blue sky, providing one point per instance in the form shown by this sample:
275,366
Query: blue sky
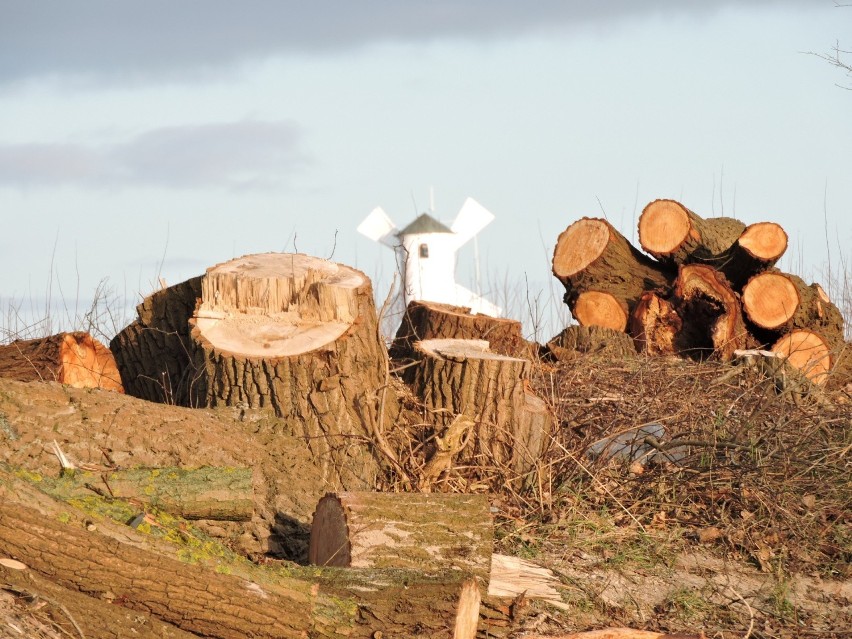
157,139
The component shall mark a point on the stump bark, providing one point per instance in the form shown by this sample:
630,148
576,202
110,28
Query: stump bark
672,233
76,359
591,257
710,311
464,385
432,320
414,531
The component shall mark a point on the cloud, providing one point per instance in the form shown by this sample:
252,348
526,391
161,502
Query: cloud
122,39
239,154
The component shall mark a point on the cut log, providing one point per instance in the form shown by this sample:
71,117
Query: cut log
201,588
710,311
289,332
431,320
781,302
200,493
576,340
598,309
655,325
807,351
76,359
673,234
404,530
759,247
463,379
592,257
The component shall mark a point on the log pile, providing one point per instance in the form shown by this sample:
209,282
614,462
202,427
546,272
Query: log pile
706,287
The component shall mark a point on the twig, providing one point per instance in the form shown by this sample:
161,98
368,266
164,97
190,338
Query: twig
750,612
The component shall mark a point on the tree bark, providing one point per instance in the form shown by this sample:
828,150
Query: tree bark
782,302
76,359
655,325
431,320
462,383
759,247
200,588
414,531
710,311
673,234
592,257
209,492
575,340
618,633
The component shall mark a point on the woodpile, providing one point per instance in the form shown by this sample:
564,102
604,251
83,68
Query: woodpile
706,287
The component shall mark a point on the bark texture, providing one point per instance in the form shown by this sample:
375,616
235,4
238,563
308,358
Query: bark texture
76,359
483,399
415,531
576,340
759,247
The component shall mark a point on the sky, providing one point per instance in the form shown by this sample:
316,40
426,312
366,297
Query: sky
141,141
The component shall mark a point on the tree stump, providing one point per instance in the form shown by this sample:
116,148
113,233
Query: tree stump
672,233
432,320
289,332
465,386
414,531
76,359
710,311
591,257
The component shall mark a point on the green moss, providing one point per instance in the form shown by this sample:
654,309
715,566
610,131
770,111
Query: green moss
33,478
65,517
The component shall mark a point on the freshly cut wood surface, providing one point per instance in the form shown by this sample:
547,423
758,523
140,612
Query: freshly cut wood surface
809,352
710,312
591,255
431,320
76,359
655,325
417,531
671,232
513,576
594,308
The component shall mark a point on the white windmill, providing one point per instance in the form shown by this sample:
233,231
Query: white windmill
426,250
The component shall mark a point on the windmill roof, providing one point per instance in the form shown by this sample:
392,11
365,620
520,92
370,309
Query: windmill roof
424,224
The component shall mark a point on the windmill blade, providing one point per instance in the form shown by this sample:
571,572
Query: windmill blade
476,303
379,228
472,218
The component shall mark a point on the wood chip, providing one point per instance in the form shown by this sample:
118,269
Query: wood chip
12,563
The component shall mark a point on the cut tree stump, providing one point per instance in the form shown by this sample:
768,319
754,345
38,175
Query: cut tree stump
76,359
288,332
655,325
710,311
200,493
808,352
201,588
594,259
483,400
431,320
414,531
782,302
673,234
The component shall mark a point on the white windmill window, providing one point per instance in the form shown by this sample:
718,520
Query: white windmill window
424,250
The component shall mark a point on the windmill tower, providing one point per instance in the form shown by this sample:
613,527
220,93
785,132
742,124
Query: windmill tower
426,251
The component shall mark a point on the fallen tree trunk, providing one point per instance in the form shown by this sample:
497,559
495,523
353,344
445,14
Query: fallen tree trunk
76,359
673,234
759,247
431,320
289,332
201,588
809,352
592,257
415,531
710,311
464,385
200,493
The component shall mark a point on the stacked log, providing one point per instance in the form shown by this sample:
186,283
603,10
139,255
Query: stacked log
709,289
